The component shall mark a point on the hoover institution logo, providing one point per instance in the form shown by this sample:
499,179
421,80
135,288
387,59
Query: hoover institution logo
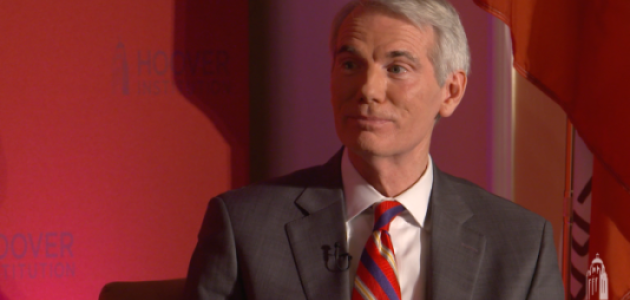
33,255
162,72
597,280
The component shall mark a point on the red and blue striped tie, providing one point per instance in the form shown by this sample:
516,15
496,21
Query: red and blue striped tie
377,277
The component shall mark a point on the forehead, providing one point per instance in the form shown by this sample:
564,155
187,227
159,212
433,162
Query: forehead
382,30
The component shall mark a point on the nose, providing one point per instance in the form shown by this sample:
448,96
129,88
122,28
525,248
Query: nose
374,86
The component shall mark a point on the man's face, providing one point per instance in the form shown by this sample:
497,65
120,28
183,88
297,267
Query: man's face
385,96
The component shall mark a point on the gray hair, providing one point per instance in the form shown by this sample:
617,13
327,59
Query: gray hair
450,51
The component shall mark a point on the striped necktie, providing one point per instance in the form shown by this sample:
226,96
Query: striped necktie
377,277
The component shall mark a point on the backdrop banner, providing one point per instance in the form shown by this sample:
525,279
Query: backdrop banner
119,120
608,276
580,231
576,52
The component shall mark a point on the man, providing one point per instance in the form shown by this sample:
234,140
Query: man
398,66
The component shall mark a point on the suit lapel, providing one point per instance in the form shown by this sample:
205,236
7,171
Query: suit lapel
313,237
456,250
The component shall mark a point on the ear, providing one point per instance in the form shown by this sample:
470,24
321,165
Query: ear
452,92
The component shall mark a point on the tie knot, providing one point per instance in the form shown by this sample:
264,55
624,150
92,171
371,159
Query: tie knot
385,212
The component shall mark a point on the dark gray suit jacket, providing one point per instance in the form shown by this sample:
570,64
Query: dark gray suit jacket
276,240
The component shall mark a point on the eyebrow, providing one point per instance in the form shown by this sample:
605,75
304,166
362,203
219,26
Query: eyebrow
394,54
391,54
346,49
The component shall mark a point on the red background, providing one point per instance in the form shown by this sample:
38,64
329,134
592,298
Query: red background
118,122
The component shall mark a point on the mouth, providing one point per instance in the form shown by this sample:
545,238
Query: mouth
368,122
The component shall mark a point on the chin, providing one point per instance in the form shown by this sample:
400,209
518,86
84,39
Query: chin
367,144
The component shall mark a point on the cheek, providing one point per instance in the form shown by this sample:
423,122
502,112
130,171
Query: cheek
406,98
416,109
342,91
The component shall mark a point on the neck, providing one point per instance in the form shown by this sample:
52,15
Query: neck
390,176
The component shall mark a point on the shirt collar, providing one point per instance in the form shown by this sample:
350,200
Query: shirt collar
360,195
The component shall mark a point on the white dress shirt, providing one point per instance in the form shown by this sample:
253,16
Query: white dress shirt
409,236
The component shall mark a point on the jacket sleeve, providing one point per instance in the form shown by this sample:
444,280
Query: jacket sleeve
213,272
547,281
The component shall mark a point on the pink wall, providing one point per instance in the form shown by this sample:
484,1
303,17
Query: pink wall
462,143
292,90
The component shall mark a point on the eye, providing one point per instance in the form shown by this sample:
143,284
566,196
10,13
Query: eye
397,69
348,65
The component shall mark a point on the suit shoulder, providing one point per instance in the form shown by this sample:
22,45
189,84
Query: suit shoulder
492,207
265,207
285,187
